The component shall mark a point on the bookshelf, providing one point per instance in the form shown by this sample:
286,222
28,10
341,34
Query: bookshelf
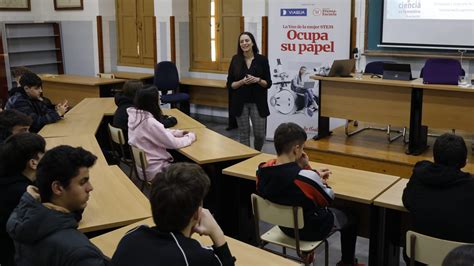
36,46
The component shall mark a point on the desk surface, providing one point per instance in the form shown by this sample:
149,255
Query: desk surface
80,80
350,184
244,253
115,200
211,147
73,125
392,197
94,106
133,75
214,83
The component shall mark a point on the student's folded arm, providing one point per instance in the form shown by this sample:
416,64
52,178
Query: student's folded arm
223,256
166,139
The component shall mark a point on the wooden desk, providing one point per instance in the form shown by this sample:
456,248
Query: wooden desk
447,106
211,147
348,184
105,106
210,92
115,200
244,253
400,103
73,125
392,197
145,77
75,88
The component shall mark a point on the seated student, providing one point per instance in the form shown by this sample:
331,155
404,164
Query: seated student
13,122
176,205
28,102
460,256
289,180
17,73
18,160
123,101
145,131
440,195
44,224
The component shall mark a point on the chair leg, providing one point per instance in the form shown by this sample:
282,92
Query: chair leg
326,253
392,139
131,171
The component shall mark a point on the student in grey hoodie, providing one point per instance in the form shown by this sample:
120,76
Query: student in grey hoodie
44,224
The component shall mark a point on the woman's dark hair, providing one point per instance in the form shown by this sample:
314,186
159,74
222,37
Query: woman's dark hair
148,99
130,88
254,47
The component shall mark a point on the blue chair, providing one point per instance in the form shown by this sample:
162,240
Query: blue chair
167,81
376,69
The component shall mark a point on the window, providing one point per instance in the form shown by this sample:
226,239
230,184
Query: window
212,47
136,33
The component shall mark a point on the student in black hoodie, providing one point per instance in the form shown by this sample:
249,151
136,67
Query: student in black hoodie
440,196
123,101
176,205
44,224
27,99
13,122
18,160
289,180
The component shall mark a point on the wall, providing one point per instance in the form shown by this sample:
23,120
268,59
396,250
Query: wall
78,28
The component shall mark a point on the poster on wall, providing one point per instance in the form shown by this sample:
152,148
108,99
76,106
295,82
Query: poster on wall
304,37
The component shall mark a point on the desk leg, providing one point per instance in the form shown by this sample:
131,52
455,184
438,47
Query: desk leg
391,238
323,122
376,235
418,133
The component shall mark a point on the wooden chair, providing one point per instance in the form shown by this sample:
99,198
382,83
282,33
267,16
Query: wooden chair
106,75
427,249
118,140
139,156
286,216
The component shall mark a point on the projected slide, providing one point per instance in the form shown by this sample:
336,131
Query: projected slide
430,9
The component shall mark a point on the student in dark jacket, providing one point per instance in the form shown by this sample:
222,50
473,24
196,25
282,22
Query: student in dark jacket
123,101
44,224
13,122
248,81
19,157
17,73
176,204
440,196
289,180
27,100
126,100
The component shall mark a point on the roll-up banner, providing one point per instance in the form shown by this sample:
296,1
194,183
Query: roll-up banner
304,38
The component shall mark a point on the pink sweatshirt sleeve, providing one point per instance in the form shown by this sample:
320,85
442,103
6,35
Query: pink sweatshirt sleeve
165,138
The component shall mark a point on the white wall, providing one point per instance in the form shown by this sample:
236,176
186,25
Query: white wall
43,10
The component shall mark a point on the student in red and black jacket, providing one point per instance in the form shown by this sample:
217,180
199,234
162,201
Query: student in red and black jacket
289,180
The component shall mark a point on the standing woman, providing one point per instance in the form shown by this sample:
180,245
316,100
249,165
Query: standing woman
248,80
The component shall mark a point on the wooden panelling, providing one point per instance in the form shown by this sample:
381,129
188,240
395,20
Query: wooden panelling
74,93
100,44
448,109
3,75
358,102
265,35
173,39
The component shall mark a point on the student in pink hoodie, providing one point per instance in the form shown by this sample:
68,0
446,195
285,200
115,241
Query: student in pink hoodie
147,133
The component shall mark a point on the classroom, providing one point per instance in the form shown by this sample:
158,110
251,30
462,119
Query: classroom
163,132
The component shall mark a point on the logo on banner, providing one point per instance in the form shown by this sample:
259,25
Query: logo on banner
325,12
293,12
410,7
